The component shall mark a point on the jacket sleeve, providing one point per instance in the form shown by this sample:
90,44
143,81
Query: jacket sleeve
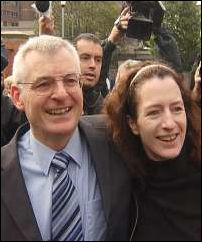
108,49
168,48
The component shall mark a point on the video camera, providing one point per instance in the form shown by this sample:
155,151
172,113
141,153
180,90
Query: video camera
145,17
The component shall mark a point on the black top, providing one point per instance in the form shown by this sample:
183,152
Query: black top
92,101
170,202
11,119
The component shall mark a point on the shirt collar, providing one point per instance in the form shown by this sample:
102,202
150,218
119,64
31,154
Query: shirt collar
74,147
43,155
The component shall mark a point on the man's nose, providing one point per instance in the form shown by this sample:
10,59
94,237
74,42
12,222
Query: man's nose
59,89
92,62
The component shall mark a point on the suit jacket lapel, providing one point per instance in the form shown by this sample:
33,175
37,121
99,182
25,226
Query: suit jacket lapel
96,139
15,195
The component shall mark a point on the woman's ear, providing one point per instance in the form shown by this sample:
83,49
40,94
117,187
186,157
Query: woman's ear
133,125
16,97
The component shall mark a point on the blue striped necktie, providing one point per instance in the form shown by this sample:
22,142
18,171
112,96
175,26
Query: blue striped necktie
66,215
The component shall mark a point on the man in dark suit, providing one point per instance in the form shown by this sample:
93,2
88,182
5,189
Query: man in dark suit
58,162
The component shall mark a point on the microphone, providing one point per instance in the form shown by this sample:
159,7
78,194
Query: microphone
42,7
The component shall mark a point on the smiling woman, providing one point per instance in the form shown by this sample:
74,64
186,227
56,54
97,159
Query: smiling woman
157,129
161,118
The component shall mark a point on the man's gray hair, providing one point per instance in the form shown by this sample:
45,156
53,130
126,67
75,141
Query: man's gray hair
44,44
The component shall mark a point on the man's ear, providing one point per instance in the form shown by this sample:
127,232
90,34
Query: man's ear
133,125
16,97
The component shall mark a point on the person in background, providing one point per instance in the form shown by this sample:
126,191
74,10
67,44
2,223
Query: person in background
11,118
61,180
90,53
196,86
7,85
156,126
4,63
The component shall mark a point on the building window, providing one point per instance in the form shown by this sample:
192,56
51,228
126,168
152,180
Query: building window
4,23
14,24
10,3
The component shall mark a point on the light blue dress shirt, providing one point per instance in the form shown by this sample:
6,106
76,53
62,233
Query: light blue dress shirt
35,160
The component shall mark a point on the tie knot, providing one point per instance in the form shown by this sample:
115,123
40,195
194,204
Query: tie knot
60,161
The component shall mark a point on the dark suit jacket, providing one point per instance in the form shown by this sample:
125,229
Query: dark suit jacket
11,119
17,218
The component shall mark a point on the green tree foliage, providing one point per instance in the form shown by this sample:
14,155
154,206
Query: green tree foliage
86,17
184,20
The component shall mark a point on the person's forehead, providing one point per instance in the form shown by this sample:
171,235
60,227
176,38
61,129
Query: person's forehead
53,63
88,46
159,89
45,53
60,55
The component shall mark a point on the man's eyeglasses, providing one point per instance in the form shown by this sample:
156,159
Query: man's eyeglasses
46,85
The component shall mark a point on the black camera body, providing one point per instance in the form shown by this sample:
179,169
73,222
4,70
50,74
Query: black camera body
145,17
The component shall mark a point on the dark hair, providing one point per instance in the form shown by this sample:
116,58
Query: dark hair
87,36
122,102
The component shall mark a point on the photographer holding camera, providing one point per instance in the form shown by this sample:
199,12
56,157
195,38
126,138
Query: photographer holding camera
145,18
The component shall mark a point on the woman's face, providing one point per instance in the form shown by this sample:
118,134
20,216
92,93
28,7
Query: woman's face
161,118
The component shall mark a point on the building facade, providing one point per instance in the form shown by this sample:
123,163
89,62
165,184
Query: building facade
17,15
17,25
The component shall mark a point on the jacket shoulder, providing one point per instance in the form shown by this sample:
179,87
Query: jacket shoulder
96,121
7,154
9,151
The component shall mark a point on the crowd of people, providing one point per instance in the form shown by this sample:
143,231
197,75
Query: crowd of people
81,161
